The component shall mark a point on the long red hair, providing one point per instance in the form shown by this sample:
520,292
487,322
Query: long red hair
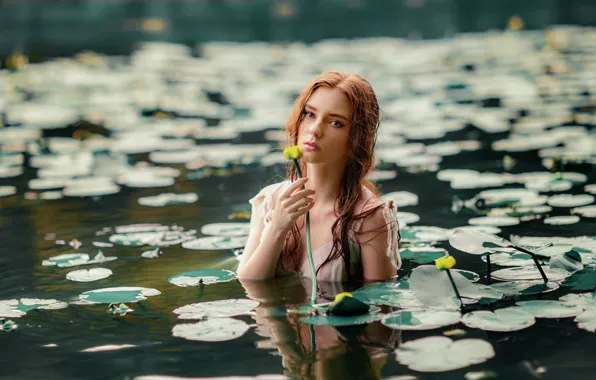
365,121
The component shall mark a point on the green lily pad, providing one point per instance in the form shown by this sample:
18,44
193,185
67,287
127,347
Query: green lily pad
118,295
373,293
501,320
441,354
216,243
581,281
202,276
334,320
216,309
423,234
529,273
549,309
584,300
211,330
587,320
423,319
226,229
422,255
525,287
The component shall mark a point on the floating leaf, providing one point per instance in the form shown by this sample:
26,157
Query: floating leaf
6,191
211,330
202,276
216,243
226,229
10,309
334,320
404,218
562,220
497,221
502,320
216,309
422,255
587,319
118,295
583,300
168,199
585,211
475,242
441,354
569,200
581,281
422,319
525,287
373,293
549,309
108,347
423,234
401,198
528,273
88,275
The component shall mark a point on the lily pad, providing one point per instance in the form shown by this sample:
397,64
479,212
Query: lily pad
441,354
583,300
569,200
401,198
88,275
549,309
10,309
216,243
202,276
167,199
501,320
334,320
373,293
27,304
581,281
226,229
587,319
404,218
161,236
525,287
585,211
497,221
216,309
118,295
211,330
562,220
475,242
73,259
6,191
423,234
422,255
529,273
421,319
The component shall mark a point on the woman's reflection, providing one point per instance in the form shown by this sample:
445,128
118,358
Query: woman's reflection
321,352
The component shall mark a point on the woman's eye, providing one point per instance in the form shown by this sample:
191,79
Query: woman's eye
336,123
309,114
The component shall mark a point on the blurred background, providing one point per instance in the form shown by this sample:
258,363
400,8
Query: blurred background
64,27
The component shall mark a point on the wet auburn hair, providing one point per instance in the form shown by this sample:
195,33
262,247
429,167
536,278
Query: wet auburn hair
365,121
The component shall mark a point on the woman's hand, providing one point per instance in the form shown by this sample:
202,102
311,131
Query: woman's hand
291,204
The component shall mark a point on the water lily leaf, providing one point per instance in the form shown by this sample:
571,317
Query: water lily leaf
549,309
502,320
422,319
160,236
88,275
373,293
510,260
118,294
581,281
401,198
570,261
422,255
167,199
211,330
423,234
587,319
66,260
475,242
108,347
441,354
585,211
562,220
202,276
584,300
525,287
552,250
406,299
497,221
10,309
216,243
468,274
569,200
6,191
216,309
404,218
226,229
528,273
27,304
334,320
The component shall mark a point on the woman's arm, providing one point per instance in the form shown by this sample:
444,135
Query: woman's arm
376,246
264,245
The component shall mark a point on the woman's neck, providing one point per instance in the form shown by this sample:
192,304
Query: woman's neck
326,181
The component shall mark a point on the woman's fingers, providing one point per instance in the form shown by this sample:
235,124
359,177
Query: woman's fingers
293,187
299,195
299,204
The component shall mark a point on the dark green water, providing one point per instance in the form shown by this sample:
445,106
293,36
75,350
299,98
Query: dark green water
277,345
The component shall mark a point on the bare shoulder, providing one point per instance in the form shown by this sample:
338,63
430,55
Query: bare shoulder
371,207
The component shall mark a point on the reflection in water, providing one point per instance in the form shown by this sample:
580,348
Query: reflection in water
322,352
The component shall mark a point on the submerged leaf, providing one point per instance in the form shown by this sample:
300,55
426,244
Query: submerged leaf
421,319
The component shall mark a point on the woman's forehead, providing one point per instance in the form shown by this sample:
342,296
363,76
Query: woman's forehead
330,100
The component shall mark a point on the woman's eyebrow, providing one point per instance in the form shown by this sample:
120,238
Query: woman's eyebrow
331,114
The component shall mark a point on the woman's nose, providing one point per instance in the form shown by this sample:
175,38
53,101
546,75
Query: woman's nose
315,129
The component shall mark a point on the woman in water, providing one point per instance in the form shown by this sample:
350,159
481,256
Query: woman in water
354,234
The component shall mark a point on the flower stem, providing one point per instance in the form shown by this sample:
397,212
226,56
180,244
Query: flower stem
313,272
454,287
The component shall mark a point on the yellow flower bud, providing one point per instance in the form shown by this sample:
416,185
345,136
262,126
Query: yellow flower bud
340,296
446,262
292,152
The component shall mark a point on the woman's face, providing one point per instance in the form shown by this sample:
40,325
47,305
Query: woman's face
325,128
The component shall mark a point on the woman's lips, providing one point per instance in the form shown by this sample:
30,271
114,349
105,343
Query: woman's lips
311,147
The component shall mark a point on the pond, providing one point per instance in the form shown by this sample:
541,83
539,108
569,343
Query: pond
92,160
